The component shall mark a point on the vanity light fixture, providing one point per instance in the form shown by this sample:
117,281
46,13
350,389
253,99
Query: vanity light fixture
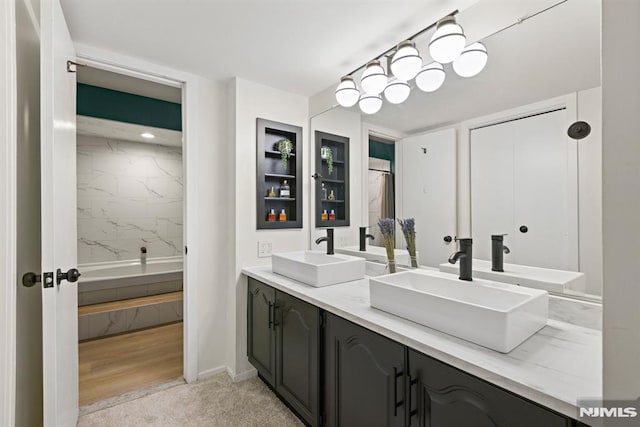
147,135
448,41
430,77
370,104
347,94
406,62
397,91
374,79
471,61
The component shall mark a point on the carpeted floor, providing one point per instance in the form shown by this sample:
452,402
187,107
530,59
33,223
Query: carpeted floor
213,402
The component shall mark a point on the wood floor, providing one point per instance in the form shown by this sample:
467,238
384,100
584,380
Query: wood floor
119,364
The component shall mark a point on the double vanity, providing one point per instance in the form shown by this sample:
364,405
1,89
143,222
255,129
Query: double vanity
344,343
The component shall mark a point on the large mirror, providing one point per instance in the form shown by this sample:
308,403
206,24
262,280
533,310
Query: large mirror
491,154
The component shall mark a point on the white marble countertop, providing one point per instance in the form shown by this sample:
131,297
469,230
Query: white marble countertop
555,367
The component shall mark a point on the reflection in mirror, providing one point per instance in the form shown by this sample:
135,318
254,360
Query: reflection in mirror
491,154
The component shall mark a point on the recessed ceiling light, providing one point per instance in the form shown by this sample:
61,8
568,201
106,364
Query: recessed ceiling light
147,135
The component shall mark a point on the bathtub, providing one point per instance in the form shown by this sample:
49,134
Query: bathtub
109,275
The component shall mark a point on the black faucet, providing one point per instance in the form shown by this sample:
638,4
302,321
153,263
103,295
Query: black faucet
363,238
328,239
465,255
498,249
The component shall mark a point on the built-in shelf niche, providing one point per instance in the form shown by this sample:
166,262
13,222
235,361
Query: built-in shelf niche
271,173
336,181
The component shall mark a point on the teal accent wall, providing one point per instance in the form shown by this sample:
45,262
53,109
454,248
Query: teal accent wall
381,150
125,107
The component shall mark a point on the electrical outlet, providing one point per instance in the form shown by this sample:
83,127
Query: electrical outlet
264,249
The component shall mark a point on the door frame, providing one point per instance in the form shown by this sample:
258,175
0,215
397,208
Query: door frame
8,161
142,69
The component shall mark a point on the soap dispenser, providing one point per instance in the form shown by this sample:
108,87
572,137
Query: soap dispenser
324,215
332,215
283,215
272,215
285,190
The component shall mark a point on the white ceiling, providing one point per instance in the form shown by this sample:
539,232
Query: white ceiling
301,46
127,131
551,54
120,82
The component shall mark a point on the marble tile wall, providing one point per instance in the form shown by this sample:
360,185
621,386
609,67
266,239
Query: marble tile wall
126,292
129,195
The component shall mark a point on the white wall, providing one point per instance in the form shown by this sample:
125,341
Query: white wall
247,102
130,195
339,121
621,197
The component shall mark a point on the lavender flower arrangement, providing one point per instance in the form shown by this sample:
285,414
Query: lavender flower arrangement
387,229
408,227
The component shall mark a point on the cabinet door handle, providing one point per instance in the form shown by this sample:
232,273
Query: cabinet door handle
396,374
410,412
270,315
275,316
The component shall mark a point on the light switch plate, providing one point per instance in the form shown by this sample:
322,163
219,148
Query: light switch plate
264,249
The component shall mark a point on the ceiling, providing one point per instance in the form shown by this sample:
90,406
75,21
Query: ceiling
552,54
120,82
301,46
110,129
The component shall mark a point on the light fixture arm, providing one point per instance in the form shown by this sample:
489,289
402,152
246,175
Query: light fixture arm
418,34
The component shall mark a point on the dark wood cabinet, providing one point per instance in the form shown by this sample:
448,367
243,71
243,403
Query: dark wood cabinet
441,395
332,180
364,376
284,345
274,173
261,346
367,379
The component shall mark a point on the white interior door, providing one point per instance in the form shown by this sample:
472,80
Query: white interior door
59,247
429,178
524,184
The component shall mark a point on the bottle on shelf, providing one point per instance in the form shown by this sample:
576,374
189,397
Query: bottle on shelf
285,190
283,215
331,196
332,215
323,192
272,215
324,215
271,193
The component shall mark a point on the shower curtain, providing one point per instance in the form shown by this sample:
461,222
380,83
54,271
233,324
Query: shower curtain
381,201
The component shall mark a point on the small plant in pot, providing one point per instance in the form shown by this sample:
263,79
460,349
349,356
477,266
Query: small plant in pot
327,154
285,147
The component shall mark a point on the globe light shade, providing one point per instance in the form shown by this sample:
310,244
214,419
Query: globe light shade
397,91
471,61
430,77
347,94
374,79
370,104
447,42
406,62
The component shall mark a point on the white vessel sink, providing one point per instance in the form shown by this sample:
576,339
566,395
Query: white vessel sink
494,315
374,269
547,279
317,268
377,254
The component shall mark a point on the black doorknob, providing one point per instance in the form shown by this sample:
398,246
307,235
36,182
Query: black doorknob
30,279
448,239
70,276
524,228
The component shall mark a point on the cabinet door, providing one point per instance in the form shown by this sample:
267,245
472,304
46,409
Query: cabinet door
364,377
297,355
261,348
444,396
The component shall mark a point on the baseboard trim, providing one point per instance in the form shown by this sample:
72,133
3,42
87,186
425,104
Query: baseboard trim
242,376
208,373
